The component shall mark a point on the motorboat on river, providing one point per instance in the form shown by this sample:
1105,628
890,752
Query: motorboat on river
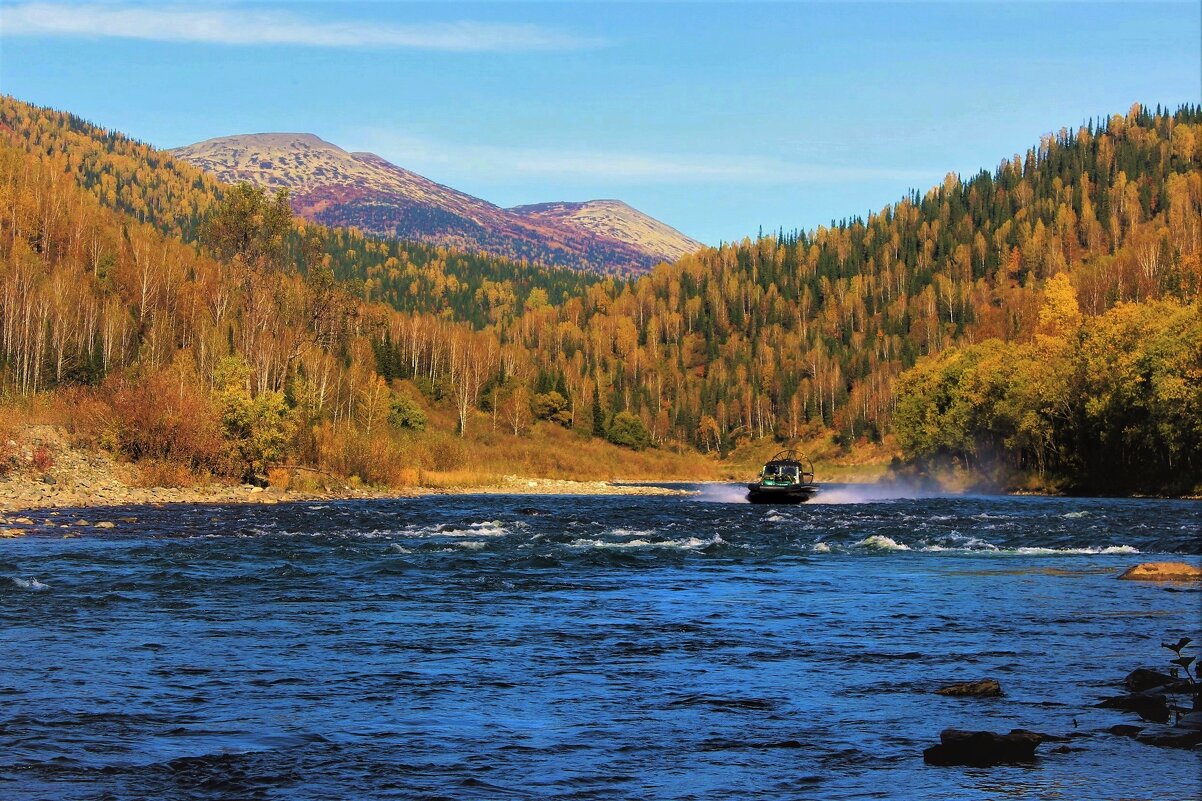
788,477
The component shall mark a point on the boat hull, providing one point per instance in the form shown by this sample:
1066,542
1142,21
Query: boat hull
759,493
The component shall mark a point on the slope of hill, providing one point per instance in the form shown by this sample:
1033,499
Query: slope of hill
194,361
1075,247
150,186
334,187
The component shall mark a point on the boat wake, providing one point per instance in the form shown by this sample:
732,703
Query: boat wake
875,493
723,493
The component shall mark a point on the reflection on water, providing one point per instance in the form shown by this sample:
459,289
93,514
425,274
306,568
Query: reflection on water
626,647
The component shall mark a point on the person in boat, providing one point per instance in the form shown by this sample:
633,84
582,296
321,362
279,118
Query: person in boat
780,473
784,479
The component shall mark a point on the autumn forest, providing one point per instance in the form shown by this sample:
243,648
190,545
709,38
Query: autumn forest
1034,325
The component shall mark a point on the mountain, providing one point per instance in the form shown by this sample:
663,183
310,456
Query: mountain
615,220
338,188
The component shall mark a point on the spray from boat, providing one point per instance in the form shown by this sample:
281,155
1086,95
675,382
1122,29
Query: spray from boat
830,494
877,493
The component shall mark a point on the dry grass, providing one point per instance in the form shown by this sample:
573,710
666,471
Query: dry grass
158,473
305,479
864,462
75,410
279,478
551,451
454,479
311,481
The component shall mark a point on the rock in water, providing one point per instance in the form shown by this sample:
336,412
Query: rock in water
982,749
1149,706
1125,730
1142,679
985,688
1171,737
1163,571
1192,720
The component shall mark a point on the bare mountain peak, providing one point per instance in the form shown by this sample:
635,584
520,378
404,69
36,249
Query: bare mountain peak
279,140
608,202
301,139
616,220
367,155
336,187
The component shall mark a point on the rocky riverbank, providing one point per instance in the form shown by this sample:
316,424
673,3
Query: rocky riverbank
45,472
520,485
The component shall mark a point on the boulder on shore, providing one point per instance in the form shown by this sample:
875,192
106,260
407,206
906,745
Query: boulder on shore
985,688
1163,571
982,748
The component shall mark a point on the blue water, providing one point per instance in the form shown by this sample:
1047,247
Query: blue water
583,648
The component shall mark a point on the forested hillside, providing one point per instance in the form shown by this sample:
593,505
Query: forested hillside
152,187
199,329
764,337
115,274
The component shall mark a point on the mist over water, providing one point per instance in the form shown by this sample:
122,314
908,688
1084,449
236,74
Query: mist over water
722,493
581,648
870,493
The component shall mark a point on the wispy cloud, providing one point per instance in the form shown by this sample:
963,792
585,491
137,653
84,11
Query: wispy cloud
490,163
239,26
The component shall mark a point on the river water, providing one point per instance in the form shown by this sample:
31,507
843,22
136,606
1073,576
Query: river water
496,647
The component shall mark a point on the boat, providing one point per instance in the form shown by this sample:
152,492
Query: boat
788,477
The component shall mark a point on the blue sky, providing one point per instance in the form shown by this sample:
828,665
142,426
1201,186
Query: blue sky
717,118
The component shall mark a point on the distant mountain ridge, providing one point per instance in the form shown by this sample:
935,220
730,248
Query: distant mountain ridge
335,187
616,220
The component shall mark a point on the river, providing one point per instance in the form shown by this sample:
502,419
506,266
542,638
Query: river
641,647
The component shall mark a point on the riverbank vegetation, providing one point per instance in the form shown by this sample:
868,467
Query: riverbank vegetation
1036,317
1111,403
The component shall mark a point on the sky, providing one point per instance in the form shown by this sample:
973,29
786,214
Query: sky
720,119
